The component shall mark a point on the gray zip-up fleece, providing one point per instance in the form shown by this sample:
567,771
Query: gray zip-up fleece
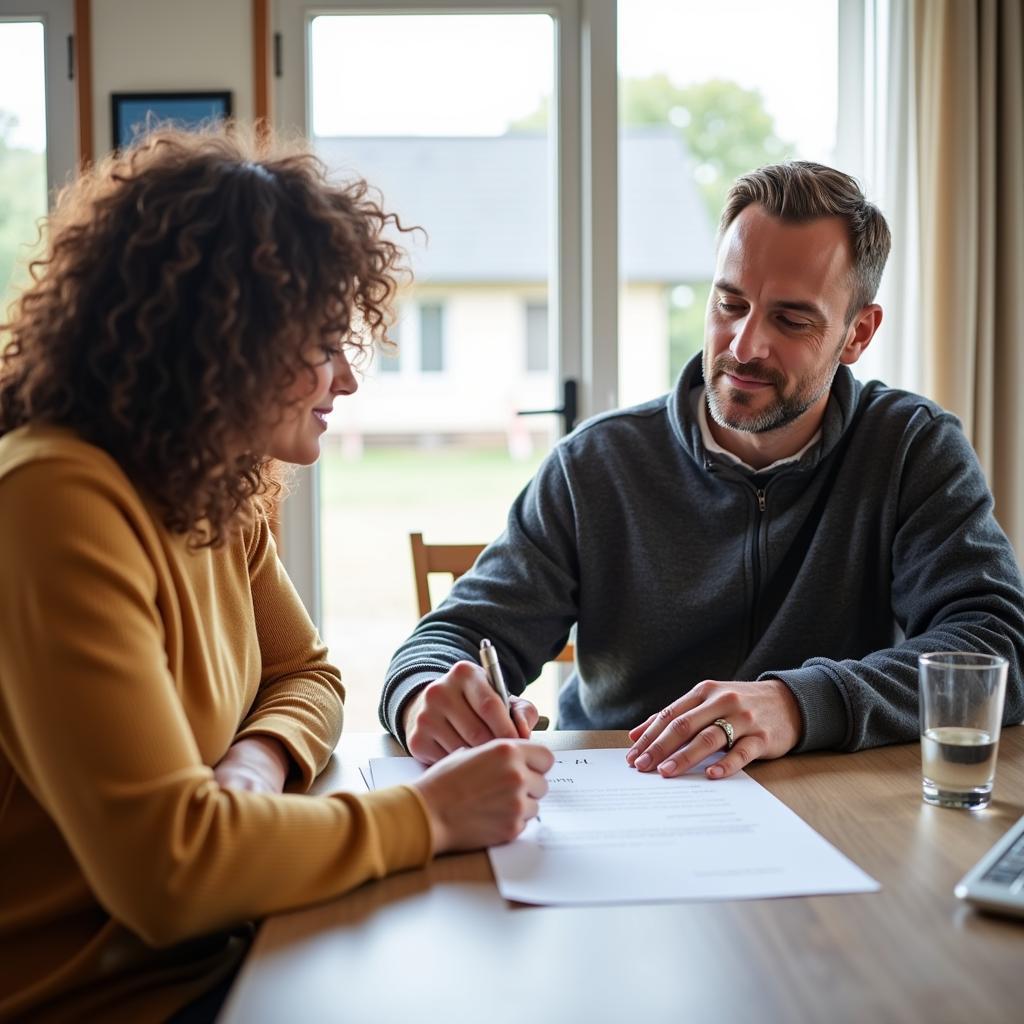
832,573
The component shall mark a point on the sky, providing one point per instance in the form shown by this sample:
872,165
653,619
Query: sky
21,82
415,67
785,48
419,65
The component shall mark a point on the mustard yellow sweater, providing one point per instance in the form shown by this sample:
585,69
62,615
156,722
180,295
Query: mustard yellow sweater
128,666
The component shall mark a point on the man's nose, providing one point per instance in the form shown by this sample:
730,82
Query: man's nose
749,342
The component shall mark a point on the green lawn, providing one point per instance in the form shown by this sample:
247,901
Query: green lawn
384,476
370,506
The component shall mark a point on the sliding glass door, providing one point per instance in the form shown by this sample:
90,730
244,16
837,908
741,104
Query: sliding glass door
467,121
566,161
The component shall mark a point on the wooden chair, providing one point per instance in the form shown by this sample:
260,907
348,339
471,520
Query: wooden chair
455,560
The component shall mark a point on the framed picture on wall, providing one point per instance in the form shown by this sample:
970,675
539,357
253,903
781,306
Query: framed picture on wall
130,112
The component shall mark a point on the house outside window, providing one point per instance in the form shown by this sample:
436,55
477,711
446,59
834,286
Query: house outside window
538,356
390,360
431,337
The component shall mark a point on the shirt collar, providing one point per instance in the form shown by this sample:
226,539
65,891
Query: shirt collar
700,409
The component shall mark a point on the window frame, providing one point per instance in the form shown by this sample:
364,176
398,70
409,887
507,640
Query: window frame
584,287
584,296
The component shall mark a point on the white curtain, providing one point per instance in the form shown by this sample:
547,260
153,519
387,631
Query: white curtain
971,158
943,155
890,172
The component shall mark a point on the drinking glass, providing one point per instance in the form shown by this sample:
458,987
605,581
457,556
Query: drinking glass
961,709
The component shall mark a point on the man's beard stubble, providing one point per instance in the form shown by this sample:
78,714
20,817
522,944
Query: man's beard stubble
780,413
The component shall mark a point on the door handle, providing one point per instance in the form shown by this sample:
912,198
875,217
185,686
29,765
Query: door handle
569,409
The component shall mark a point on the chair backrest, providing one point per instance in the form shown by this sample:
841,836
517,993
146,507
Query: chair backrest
454,560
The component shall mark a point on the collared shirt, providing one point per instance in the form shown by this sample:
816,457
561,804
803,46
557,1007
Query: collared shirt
700,409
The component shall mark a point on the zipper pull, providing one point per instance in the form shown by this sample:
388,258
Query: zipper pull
761,503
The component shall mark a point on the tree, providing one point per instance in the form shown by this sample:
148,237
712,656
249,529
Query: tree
7,123
22,203
727,132
536,121
726,128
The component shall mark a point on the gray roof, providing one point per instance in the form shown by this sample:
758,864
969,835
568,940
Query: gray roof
484,204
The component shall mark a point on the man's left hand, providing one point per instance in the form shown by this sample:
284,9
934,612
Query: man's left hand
764,716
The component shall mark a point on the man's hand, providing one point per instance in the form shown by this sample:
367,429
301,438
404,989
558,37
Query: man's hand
764,716
258,764
461,710
484,797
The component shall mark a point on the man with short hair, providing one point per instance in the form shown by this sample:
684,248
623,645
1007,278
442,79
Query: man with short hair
753,562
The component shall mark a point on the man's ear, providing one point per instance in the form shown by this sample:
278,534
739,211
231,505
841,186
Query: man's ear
860,333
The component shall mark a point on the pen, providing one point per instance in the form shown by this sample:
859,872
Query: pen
489,660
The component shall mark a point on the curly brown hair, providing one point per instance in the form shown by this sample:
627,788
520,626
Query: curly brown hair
184,284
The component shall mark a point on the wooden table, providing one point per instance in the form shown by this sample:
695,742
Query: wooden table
439,944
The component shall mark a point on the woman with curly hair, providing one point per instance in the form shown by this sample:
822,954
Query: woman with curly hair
190,322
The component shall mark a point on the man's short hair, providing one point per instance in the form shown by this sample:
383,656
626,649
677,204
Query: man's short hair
799,191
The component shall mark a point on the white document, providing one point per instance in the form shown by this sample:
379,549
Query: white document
610,834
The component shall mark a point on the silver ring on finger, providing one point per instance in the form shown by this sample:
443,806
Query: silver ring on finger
727,729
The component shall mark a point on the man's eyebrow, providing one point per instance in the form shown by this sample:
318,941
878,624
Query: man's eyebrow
803,307
795,305
723,285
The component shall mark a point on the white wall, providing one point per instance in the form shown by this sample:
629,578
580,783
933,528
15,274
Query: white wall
172,45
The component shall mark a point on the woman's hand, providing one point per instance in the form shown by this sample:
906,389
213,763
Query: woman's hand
484,796
256,764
